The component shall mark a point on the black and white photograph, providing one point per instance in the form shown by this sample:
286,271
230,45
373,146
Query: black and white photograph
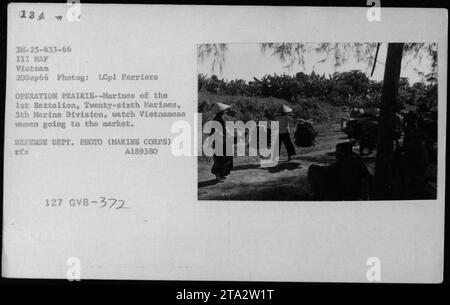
248,148
357,121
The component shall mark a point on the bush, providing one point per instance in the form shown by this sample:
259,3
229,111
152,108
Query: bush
351,89
245,108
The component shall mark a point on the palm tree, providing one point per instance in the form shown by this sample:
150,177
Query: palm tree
385,149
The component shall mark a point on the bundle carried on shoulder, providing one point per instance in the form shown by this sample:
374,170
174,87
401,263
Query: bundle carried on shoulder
305,134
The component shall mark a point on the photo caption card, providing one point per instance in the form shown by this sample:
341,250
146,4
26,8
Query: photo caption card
163,142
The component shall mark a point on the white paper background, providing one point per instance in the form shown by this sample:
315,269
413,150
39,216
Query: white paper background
168,234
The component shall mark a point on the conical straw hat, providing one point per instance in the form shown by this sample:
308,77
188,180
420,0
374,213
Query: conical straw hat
286,109
222,107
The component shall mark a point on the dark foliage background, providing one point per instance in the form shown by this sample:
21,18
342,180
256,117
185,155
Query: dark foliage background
313,96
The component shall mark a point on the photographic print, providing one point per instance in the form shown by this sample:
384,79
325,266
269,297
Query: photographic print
356,121
224,143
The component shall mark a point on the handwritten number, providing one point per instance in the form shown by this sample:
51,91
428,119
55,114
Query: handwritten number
103,200
121,205
114,202
31,15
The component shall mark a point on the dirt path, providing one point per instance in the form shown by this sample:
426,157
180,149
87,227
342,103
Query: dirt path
285,181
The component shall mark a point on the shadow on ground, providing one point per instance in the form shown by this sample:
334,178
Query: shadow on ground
283,166
283,189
